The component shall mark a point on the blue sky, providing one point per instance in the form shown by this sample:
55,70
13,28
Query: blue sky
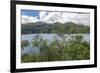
33,13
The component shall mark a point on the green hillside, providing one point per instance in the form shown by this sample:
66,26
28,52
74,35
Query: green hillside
40,27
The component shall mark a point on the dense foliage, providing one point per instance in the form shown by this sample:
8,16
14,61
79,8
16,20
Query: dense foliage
41,27
64,49
24,43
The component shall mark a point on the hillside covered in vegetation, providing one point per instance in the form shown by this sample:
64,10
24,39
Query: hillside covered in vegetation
40,27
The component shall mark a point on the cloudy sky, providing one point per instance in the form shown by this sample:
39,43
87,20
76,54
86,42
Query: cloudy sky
29,16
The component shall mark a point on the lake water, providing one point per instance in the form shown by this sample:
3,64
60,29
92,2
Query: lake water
30,50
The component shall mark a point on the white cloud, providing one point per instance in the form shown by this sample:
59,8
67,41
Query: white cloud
50,17
80,18
29,19
42,14
63,17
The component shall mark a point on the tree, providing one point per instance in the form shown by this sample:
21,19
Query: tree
39,42
24,43
61,49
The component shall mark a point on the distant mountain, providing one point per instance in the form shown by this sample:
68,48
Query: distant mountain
41,27
41,23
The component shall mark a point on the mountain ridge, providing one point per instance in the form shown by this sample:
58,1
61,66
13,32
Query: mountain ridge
54,28
42,23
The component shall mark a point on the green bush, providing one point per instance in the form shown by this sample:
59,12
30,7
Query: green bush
24,43
59,50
